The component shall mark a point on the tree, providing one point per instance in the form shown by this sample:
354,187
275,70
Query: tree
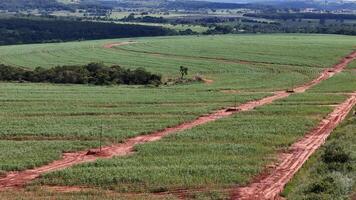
183,71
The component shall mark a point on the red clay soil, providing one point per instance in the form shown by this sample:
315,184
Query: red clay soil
19,179
271,185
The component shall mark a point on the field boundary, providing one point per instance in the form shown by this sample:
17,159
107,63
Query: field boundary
20,178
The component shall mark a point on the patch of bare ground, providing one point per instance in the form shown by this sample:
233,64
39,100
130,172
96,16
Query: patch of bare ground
115,44
207,81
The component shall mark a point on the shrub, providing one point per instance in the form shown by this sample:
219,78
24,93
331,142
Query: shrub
335,153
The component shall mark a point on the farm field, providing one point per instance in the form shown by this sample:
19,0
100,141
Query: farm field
218,155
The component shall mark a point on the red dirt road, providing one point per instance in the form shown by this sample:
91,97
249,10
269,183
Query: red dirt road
19,179
271,185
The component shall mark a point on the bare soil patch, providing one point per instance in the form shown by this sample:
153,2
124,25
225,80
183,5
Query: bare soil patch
111,45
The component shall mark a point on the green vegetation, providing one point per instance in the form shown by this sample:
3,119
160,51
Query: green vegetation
21,155
34,193
216,155
92,73
28,30
343,82
215,57
77,111
219,154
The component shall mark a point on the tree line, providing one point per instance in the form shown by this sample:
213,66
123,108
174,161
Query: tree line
24,31
92,73
288,16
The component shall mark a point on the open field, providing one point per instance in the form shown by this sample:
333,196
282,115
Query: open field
44,111
228,152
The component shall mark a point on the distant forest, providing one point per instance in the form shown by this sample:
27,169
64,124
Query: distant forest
15,5
287,16
22,31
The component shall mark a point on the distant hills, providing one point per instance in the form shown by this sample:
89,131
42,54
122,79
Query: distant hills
175,4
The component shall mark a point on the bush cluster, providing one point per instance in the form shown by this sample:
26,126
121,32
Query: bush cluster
332,177
93,73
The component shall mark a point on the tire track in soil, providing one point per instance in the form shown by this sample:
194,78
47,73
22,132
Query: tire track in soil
18,179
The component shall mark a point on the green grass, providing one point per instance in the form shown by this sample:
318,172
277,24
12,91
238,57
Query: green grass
342,82
352,65
77,112
21,155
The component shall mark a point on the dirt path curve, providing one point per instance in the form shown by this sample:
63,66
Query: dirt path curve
20,178
271,185
116,44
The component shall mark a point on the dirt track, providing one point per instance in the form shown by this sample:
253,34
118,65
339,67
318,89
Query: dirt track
271,185
111,45
19,179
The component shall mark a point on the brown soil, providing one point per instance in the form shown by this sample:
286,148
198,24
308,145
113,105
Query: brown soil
208,81
19,179
111,45
269,186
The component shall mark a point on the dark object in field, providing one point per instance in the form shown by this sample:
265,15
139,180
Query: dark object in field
93,73
232,110
92,152
290,91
